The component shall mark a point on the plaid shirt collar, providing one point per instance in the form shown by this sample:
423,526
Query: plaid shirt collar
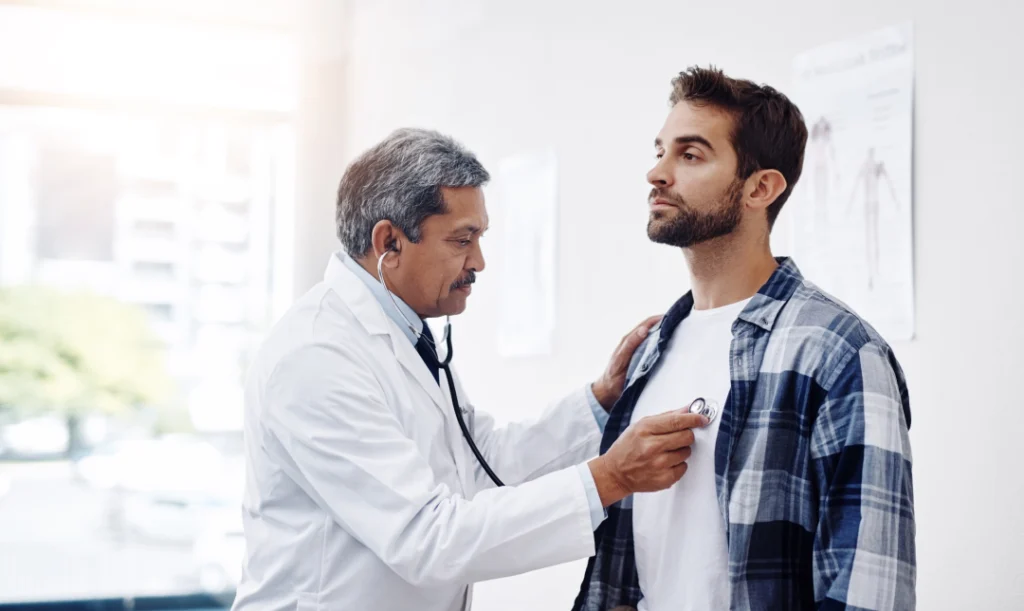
761,312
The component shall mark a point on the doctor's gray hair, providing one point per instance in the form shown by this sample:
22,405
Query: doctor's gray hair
400,180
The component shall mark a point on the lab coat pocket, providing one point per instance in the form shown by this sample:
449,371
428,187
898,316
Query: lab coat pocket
307,602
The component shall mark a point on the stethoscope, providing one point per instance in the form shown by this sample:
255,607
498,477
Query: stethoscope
704,408
447,338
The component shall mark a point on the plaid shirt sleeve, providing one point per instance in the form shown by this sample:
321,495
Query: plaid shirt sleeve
864,550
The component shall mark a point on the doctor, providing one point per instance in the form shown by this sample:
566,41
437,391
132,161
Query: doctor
363,490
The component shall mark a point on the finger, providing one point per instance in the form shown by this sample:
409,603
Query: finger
649,322
671,422
622,354
622,342
631,342
622,347
675,441
679,470
679,456
641,330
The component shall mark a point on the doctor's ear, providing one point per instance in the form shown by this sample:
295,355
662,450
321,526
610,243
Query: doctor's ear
386,239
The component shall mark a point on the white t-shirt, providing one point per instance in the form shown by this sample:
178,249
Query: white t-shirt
679,536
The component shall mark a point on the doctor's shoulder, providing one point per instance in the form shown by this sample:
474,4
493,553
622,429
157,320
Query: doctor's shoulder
316,385
314,346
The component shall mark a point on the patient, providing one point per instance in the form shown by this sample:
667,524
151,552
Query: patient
798,493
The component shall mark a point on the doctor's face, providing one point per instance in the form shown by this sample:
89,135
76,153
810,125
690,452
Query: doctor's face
436,274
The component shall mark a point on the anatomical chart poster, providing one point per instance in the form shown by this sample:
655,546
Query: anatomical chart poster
852,211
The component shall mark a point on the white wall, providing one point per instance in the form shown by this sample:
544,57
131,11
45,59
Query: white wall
504,77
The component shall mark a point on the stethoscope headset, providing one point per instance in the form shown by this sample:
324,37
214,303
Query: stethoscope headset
447,339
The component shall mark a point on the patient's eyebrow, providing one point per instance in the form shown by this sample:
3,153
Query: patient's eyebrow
688,139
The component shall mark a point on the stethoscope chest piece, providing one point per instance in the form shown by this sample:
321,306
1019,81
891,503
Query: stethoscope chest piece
705,408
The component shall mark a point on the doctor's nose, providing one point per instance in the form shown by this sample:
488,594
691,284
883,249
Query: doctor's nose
476,259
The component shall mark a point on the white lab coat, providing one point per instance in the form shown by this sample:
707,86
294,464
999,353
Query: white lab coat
360,491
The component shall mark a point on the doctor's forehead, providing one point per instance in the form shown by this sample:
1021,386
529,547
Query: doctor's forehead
468,225
465,209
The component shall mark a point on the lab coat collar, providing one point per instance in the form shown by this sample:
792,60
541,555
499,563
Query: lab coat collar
356,295
370,314
396,309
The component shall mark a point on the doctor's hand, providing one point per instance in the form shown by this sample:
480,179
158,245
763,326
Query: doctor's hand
608,388
650,456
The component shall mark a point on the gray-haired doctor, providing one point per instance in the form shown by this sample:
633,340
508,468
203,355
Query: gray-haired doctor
372,480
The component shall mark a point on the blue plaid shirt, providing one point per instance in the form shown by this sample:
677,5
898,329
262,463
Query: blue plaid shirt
812,461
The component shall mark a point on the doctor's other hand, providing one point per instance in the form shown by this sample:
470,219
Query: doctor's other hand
650,456
608,388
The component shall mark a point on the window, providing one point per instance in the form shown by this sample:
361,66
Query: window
140,205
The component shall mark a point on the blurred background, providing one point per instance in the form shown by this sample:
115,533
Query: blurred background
167,178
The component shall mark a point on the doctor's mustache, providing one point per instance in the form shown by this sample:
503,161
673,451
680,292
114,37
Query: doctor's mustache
469,278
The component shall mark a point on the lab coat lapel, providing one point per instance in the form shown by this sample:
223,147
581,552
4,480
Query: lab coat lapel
465,462
371,316
414,365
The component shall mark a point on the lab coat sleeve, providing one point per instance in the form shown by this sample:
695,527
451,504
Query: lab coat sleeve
565,434
338,440
600,413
